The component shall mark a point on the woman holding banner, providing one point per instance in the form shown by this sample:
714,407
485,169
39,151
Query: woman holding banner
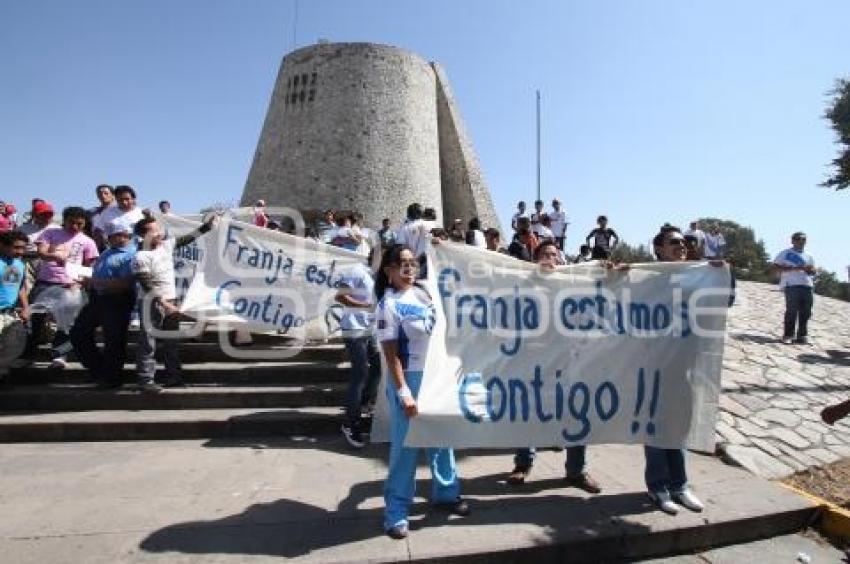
405,318
665,475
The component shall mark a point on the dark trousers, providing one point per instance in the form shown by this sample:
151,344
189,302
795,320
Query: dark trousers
365,375
112,312
798,310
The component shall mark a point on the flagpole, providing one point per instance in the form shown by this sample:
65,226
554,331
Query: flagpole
538,145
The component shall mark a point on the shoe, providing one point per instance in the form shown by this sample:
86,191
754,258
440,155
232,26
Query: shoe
584,482
664,502
58,363
352,436
802,341
150,388
459,507
398,532
787,340
688,500
518,475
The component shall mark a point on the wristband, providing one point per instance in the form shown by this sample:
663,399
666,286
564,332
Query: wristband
404,392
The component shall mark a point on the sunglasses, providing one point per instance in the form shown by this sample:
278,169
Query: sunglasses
676,241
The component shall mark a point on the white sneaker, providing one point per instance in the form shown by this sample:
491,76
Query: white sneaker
58,363
787,340
664,502
687,499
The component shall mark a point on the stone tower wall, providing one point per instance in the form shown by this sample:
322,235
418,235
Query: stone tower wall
350,126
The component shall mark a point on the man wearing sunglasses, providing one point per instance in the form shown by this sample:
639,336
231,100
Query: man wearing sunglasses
796,270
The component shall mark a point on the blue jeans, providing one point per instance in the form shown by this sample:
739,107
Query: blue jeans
400,486
365,375
665,470
798,307
575,463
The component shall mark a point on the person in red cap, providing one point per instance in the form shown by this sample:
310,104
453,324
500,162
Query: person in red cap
5,223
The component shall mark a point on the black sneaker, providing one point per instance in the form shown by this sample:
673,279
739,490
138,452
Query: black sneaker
352,436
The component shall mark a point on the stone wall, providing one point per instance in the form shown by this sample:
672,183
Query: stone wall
365,127
350,126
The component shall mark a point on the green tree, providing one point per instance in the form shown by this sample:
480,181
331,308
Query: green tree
624,252
827,284
838,113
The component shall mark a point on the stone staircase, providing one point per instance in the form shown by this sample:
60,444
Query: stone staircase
298,394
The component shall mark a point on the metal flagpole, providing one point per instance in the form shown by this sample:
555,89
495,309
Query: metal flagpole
538,145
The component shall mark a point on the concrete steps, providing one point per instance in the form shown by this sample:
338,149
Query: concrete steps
236,373
158,424
273,391
62,397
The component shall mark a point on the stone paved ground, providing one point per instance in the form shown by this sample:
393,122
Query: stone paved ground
772,393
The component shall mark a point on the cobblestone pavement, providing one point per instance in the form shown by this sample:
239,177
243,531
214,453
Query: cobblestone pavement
772,393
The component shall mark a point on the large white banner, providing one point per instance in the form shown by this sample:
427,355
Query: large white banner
524,357
266,280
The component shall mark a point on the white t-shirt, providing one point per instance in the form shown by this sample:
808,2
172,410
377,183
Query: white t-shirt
542,231
415,235
158,263
790,257
114,213
537,217
357,321
714,245
516,217
407,317
478,239
559,222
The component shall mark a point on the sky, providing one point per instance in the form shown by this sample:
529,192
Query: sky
652,111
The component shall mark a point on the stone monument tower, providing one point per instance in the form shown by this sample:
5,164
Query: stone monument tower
365,127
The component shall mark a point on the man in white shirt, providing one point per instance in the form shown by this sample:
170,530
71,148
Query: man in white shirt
797,270
559,223
153,268
520,206
125,211
415,234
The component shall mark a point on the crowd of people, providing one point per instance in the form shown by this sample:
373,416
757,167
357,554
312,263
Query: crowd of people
89,270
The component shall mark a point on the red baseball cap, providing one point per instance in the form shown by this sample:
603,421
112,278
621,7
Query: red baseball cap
42,207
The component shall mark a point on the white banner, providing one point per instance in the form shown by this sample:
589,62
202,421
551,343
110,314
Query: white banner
521,357
268,280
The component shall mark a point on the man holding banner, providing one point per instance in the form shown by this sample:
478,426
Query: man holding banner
547,256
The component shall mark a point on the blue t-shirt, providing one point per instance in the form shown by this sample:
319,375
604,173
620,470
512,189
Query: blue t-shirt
11,278
115,262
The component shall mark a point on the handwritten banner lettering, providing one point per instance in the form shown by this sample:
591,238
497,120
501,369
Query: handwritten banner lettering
523,357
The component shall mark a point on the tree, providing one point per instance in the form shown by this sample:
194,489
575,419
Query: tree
624,252
827,284
838,113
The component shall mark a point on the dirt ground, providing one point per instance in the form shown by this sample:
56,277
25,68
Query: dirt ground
830,482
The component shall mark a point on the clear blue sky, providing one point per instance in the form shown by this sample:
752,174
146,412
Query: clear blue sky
653,111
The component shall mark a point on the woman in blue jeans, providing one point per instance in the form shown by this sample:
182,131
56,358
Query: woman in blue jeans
666,476
405,319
